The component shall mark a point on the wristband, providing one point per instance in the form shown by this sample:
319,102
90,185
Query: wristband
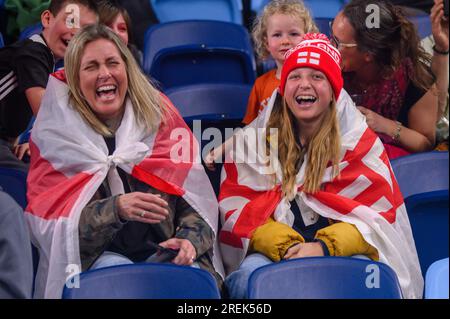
439,51
396,135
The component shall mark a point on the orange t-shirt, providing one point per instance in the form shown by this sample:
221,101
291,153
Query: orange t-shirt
260,95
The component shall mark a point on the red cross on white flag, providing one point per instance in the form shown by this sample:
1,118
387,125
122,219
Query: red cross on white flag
308,57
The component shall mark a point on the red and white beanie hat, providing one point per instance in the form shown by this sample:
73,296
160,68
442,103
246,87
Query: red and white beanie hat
316,52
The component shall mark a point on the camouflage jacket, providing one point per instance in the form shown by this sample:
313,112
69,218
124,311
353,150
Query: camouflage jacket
100,228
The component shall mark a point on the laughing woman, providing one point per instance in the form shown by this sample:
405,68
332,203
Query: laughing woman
328,190
104,184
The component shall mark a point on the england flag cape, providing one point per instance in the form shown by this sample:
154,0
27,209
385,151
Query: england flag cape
366,194
70,161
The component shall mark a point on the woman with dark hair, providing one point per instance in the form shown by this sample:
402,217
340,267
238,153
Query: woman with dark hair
115,16
387,73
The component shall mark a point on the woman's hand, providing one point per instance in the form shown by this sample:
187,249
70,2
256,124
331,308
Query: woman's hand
22,149
378,123
142,207
186,254
304,250
439,26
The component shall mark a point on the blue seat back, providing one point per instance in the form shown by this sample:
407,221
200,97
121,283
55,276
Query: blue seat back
219,101
2,44
145,281
421,173
176,10
324,8
324,25
423,179
324,278
191,52
30,30
219,106
436,280
14,182
422,23
258,5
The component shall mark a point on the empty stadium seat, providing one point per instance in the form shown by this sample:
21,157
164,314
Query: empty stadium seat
423,24
145,281
324,8
14,182
218,106
219,101
324,278
436,280
324,25
176,10
192,52
30,30
423,179
258,5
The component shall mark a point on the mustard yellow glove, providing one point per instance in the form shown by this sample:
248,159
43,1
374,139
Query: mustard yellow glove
273,239
343,239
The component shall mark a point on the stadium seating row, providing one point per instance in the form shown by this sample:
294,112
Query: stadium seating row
189,52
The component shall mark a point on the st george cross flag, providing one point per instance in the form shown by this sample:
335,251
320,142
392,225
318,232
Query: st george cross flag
366,194
70,161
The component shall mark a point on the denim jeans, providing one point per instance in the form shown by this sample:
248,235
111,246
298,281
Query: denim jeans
237,281
109,258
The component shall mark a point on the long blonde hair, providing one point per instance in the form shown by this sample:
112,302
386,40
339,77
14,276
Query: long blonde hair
145,98
324,147
293,8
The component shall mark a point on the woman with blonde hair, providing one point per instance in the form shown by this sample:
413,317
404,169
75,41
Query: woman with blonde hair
107,181
322,187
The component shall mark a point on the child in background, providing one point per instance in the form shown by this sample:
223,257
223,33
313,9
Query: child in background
115,16
279,28
26,65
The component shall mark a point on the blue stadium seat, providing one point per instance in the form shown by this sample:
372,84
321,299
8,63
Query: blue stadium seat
145,281
219,106
436,280
177,10
198,51
14,182
324,25
258,5
219,101
30,30
324,8
324,278
423,180
423,24
2,44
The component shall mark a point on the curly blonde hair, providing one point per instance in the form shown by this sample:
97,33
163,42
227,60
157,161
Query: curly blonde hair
293,8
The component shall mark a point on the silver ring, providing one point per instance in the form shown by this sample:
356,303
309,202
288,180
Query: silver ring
143,213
